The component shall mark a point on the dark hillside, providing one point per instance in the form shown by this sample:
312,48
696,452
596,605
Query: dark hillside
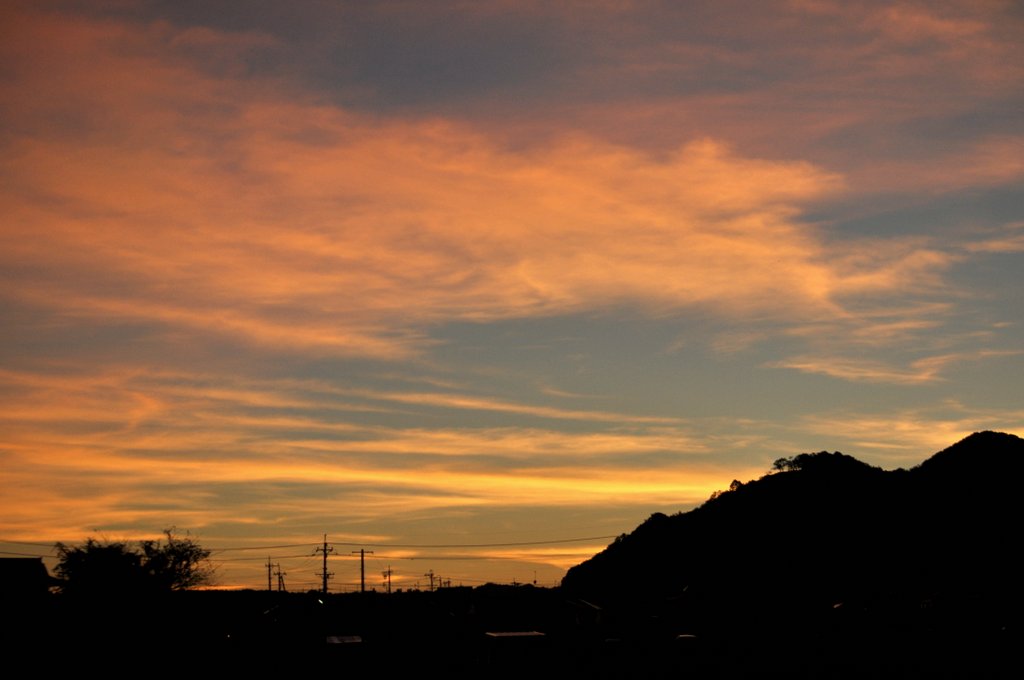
823,534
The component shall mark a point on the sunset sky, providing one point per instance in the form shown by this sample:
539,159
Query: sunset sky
470,282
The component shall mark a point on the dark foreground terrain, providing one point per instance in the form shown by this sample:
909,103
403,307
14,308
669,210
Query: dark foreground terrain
499,631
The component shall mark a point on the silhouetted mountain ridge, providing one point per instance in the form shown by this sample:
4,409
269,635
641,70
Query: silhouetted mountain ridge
978,457
823,529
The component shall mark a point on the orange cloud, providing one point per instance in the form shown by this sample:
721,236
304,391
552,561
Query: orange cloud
1011,241
210,205
923,370
120,446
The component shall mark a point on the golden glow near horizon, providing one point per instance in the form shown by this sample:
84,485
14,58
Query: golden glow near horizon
499,274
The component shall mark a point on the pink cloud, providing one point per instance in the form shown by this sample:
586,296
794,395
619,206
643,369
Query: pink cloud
231,207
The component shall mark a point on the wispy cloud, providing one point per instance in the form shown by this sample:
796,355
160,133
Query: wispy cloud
140,444
476,403
924,370
906,437
1010,240
277,221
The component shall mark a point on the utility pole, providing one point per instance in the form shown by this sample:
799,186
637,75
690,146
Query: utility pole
362,568
269,586
280,578
326,574
387,579
430,575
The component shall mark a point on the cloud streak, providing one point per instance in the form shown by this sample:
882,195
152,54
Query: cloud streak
291,224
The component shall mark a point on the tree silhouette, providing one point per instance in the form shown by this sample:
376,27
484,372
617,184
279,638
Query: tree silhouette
178,564
110,567
98,567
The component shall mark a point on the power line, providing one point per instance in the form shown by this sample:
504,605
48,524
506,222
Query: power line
263,547
481,558
36,543
251,559
474,545
21,554
320,553
377,545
